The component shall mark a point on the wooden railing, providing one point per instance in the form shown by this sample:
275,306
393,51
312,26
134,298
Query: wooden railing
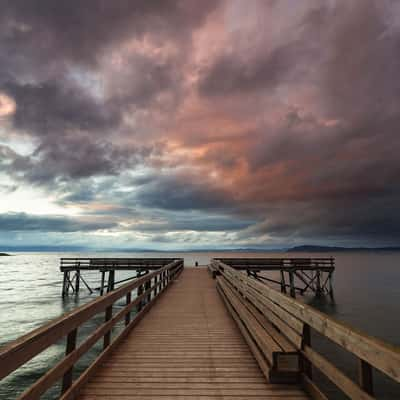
296,321
17,353
274,263
313,274
68,263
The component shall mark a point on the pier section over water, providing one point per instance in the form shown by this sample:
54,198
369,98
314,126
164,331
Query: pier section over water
232,337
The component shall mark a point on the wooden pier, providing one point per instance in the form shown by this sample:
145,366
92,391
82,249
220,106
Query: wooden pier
184,335
313,274
73,268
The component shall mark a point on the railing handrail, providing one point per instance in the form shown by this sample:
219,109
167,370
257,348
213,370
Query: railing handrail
279,261
121,259
379,354
83,261
21,350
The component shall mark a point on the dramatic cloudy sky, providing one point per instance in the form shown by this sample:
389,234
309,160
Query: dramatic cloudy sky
189,124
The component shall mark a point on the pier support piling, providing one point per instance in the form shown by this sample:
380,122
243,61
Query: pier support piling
77,280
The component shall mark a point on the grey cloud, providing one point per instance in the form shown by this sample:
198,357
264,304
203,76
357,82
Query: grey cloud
19,222
181,193
201,222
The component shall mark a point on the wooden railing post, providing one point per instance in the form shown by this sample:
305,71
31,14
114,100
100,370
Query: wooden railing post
128,314
155,285
139,293
163,279
107,336
306,364
365,378
70,346
283,283
147,286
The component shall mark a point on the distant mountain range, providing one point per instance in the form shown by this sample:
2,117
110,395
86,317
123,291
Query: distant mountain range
295,249
323,249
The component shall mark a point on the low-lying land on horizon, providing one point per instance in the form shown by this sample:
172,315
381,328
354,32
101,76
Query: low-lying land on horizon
295,249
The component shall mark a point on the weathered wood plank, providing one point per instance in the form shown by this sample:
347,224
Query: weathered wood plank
187,347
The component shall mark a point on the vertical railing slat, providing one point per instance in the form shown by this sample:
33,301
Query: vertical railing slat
70,347
365,377
107,336
128,314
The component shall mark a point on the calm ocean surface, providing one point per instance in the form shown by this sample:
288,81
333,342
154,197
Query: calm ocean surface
366,284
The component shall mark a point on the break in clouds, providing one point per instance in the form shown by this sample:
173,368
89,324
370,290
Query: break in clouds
185,124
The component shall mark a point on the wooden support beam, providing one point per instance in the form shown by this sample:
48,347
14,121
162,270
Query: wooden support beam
111,280
292,287
77,280
86,284
318,291
65,287
103,274
69,283
330,282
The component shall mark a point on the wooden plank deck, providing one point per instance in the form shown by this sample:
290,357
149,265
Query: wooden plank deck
186,347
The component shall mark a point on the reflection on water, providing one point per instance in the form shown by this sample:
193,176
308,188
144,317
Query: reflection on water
367,296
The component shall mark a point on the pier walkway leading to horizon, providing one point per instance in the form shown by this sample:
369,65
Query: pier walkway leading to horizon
187,346
199,333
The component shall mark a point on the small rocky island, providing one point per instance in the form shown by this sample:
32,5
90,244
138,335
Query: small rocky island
4,254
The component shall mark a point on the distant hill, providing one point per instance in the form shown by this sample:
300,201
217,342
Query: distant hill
324,249
298,249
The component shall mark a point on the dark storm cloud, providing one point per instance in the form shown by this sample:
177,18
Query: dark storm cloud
342,165
71,158
80,31
49,52
284,120
20,222
82,157
49,109
376,221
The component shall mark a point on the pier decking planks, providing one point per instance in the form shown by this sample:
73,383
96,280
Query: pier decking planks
187,347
